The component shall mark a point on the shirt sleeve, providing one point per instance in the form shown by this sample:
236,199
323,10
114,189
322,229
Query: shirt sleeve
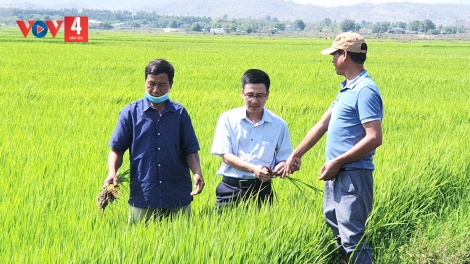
370,105
189,142
284,149
221,143
122,136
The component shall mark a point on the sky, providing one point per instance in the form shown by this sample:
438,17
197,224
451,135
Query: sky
329,3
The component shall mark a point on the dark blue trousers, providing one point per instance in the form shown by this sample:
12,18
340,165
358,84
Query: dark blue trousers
228,194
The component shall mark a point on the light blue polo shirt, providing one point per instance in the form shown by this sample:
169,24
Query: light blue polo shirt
265,143
357,103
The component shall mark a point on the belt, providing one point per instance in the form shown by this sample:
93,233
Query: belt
240,183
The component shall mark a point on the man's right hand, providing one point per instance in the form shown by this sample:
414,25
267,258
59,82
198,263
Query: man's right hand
111,179
292,165
263,173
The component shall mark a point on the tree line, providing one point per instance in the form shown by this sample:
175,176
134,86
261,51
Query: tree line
415,26
110,19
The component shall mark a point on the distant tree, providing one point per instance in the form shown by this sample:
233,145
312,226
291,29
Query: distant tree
334,27
57,17
173,24
299,24
258,25
347,25
461,29
37,17
449,30
327,22
381,27
246,26
427,25
357,27
279,26
414,25
162,22
196,27
218,23
8,16
401,24
106,25
230,27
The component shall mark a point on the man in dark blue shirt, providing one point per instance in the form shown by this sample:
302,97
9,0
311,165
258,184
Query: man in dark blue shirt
162,148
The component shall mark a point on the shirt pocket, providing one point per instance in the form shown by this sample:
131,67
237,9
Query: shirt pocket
266,152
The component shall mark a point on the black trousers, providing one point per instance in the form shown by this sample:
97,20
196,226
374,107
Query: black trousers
229,194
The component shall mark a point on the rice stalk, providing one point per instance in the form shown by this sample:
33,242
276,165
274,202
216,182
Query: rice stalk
301,185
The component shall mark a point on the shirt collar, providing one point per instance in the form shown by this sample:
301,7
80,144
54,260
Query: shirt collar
168,107
267,117
354,82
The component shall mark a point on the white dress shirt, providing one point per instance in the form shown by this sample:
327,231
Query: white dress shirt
265,143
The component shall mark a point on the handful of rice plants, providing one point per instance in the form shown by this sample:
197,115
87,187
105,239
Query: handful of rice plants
110,192
301,185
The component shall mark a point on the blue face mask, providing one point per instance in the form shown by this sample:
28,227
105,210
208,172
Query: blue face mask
157,99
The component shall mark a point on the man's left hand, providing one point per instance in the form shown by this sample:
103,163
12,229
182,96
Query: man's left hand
329,170
279,169
198,184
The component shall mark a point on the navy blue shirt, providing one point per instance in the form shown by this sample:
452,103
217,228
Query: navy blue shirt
158,146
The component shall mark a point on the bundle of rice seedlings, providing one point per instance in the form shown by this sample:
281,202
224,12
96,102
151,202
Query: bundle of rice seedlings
110,192
107,196
301,185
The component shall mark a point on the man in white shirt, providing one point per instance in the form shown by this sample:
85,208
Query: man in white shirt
253,143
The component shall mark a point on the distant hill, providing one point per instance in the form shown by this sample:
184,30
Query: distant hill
440,14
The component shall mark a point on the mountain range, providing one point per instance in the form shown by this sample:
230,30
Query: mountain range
440,14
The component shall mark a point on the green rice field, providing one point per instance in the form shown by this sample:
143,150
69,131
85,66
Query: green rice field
59,105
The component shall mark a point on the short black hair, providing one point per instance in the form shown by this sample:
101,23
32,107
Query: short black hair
358,58
158,66
255,76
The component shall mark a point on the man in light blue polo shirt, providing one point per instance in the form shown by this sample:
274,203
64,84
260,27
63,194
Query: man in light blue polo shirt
354,125
253,143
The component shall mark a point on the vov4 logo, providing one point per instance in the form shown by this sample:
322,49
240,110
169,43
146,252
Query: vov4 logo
39,28
75,28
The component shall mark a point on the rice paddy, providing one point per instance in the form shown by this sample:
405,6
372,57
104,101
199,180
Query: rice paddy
59,105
